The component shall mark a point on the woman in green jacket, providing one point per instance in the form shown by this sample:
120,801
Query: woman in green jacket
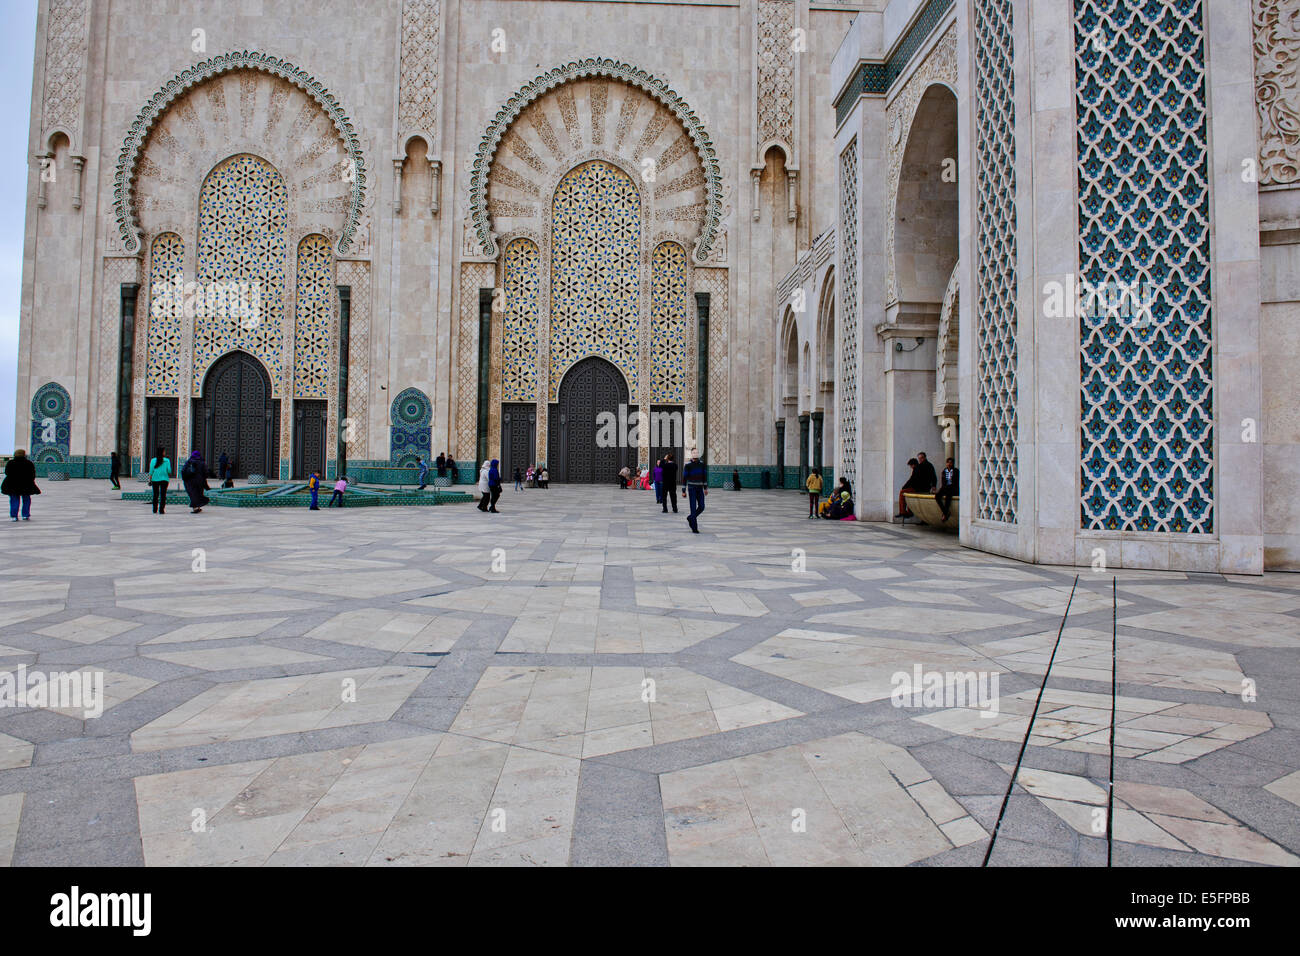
160,474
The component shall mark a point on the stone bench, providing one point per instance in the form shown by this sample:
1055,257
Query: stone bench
927,510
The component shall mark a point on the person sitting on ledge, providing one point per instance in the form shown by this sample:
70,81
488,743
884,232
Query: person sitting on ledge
921,481
948,480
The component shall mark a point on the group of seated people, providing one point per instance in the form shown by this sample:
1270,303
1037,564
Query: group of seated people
838,505
924,481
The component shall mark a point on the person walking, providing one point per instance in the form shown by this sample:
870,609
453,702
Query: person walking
424,472
160,475
494,485
658,476
696,478
20,484
484,488
735,479
519,480
340,486
223,470
194,476
114,469
313,485
814,486
670,483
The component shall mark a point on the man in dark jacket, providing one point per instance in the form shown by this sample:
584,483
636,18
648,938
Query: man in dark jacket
669,482
20,484
947,488
696,477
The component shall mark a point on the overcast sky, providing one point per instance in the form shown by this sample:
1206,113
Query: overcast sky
17,48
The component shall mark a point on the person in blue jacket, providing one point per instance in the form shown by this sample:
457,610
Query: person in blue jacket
313,485
494,485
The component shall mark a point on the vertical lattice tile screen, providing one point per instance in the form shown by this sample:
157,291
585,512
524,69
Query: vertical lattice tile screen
668,315
1144,254
848,412
314,320
519,324
166,307
995,263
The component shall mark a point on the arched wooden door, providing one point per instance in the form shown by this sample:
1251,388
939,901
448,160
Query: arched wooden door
237,416
591,387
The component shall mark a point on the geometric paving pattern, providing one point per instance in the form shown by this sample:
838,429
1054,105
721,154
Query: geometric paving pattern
376,687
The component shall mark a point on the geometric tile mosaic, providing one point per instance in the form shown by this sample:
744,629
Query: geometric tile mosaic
520,323
312,329
411,434
848,411
995,264
595,271
1144,251
166,309
243,226
668,322
51,424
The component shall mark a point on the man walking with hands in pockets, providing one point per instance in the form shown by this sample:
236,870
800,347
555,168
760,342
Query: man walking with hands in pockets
696,477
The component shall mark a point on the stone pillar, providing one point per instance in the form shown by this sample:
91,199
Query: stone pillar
780,453
345,335
804,430
702,375
125,367
818,422
484,370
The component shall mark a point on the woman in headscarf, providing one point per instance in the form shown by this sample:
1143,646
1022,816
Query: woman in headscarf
194,475
483,487
494,485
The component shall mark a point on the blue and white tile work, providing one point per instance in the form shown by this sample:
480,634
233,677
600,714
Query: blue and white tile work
51,424
520,323
995,266
848,409
411,435
1147,395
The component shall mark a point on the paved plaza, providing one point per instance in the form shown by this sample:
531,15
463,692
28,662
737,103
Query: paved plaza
580,680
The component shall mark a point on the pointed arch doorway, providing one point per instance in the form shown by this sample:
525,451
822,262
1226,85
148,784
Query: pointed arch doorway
237,416
589,387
